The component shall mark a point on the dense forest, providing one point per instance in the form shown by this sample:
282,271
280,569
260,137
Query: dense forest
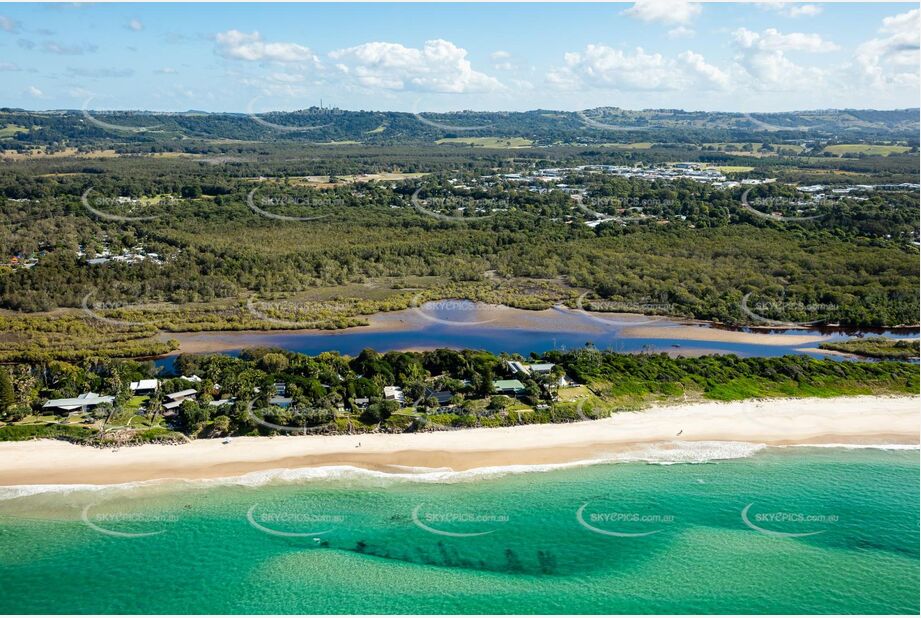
105,247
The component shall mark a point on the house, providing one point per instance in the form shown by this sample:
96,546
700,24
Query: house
537,368
191,378
176,399
280,388
442,397
394,393
217,403
145,387
517,367
281,402
74,405
508,387
361,402
541,368
182,395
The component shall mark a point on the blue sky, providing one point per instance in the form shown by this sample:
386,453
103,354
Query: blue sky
656,53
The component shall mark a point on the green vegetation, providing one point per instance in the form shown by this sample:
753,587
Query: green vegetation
330,393
488,142
876,347
368,246
866,149
11,129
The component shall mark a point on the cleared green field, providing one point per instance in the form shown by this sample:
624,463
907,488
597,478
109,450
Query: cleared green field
867,149
728,169
12,129
488,142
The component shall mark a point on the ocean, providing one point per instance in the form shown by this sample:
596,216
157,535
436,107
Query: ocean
715,529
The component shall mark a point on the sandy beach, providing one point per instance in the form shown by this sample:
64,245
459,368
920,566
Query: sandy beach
703,333
846,420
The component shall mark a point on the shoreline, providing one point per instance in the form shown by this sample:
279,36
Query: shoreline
555,319
866,420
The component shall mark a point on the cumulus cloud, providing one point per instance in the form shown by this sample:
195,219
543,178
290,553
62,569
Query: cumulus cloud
600,66
251,47
763,56
671,12
35,92
136,25
892,59
773,40
440,66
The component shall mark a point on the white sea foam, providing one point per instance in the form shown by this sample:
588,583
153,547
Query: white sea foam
678,452
881,447
660,453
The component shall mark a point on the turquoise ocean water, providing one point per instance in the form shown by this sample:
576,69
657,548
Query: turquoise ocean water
798,530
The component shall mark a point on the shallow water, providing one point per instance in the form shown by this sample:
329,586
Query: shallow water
451,326
826,530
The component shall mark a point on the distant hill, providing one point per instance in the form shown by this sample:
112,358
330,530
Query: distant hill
542,127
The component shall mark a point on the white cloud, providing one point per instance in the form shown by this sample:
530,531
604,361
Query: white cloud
440,66
7,24
804,10
773,40
500,55
166,71
763,57
893,58
9,66
792,9
704,71
664,11
251,47
680,32
136,25
600,66
35,92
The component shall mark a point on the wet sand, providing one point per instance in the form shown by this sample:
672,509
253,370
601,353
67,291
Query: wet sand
845,420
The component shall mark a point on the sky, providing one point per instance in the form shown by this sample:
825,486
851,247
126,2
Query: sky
237,57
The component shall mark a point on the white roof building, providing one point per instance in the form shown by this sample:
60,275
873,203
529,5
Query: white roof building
145,385
82,402
394,393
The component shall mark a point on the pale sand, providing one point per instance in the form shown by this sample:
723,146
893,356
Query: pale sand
702,333
557,319
854,420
